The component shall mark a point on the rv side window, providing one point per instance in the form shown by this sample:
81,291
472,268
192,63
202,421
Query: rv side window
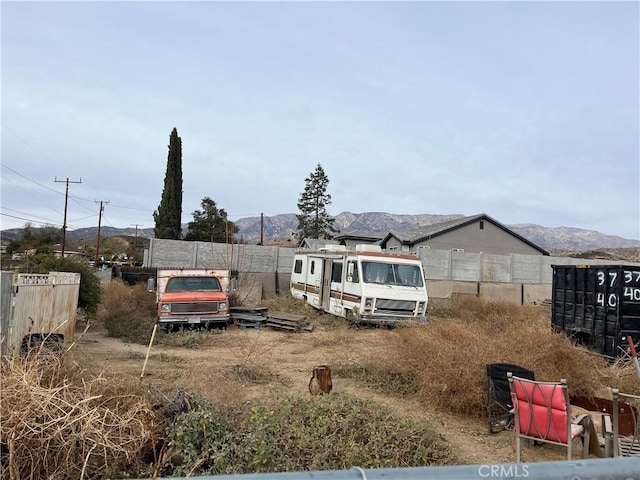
336,272
352,272
313,267
298,267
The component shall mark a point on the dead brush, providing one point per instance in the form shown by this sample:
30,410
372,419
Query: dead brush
254,355
447,357
52,419
127,312
216,383
622,375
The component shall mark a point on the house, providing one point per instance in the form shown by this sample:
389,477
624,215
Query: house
350,240
57,252
475,234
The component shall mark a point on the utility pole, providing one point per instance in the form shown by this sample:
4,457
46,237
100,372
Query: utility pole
66,201
135,246
99,226
261,228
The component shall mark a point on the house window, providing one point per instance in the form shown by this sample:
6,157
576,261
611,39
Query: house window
481,224
393,249
405,248
313,267
298,267
457,249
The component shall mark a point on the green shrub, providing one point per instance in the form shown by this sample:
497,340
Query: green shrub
328,432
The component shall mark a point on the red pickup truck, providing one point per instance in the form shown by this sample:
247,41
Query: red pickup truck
192,296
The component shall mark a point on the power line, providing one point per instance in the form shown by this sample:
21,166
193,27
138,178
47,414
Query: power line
82,218
74,198
23,213
48,204
26,143
78,203
31,180
27,219
132,208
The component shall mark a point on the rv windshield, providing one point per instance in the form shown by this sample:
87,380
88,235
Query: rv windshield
392,274
193,284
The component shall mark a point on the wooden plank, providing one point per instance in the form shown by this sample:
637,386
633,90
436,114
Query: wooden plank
286,322
281,326
287,316
248,317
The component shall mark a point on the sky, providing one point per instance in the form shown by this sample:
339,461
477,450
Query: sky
526,111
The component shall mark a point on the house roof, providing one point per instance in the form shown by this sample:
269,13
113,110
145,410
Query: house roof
416,235
361,235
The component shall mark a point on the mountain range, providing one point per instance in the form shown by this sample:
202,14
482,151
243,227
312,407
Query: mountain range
284,226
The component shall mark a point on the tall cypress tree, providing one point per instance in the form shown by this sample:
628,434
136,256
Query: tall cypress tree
313,220
168,217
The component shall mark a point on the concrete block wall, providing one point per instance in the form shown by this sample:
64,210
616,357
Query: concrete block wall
267,270
449,288
496,268
436,262
465,267
536,294
502,292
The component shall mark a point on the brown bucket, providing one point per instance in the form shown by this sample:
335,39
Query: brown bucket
320,380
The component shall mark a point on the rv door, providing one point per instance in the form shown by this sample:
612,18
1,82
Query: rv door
325,294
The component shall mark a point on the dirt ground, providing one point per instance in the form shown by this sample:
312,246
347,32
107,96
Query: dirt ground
283,364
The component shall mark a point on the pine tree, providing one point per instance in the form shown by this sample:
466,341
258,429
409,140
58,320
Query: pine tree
168,217
313,220
210,224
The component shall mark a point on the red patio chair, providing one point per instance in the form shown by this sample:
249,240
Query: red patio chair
543,413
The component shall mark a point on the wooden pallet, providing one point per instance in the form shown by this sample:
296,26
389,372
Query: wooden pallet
248,320
288,321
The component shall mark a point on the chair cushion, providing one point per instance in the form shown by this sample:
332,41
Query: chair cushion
542,409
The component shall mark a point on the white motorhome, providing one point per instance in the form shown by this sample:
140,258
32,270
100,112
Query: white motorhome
365,286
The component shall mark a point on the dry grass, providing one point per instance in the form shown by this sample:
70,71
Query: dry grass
57,422
447,357
286,302
442,363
